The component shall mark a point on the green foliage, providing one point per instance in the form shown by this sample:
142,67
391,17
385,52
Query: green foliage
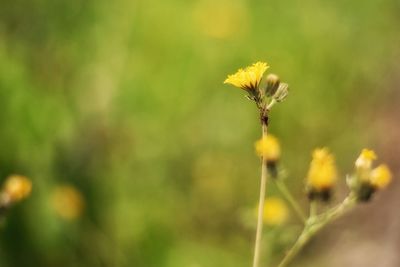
125,101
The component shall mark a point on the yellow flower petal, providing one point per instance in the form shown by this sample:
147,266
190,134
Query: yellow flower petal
249,78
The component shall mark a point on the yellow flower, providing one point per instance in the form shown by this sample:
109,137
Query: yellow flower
68,202
220,19
322,173
17,187
364,161
248,78
380,177
268,148
275,211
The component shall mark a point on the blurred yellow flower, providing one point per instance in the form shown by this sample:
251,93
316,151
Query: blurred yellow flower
322,173
220,19
248,78
380,177
275,211
268,148
68,202
17,187
364,161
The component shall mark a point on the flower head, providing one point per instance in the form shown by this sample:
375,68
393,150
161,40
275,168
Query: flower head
268,148
322,173
17,187
275,211
380,177
248,78
366,180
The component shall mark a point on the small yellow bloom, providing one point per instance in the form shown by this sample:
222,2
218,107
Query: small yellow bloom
275,211
322,173
68,202
248,78
268,148
364,161
380,177
17,187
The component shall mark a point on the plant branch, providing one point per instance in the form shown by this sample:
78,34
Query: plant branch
314,224
298,245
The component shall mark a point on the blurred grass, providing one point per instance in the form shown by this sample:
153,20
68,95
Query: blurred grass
125,101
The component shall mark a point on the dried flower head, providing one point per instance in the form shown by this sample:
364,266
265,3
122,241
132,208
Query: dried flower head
273,82
275,211
68,202
322,174
282,92
17,188
268,147
248,78
380,177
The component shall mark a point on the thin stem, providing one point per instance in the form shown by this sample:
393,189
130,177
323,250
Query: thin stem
313,208
286,193
264,174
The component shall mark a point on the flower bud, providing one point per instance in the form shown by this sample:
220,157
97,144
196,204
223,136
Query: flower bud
272,84
282,92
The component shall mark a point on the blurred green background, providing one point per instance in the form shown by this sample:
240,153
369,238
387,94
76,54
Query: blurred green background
124,100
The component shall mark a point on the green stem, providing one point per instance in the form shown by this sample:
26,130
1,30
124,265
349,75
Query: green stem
264,173
337,211
298,245
286,193
313,208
